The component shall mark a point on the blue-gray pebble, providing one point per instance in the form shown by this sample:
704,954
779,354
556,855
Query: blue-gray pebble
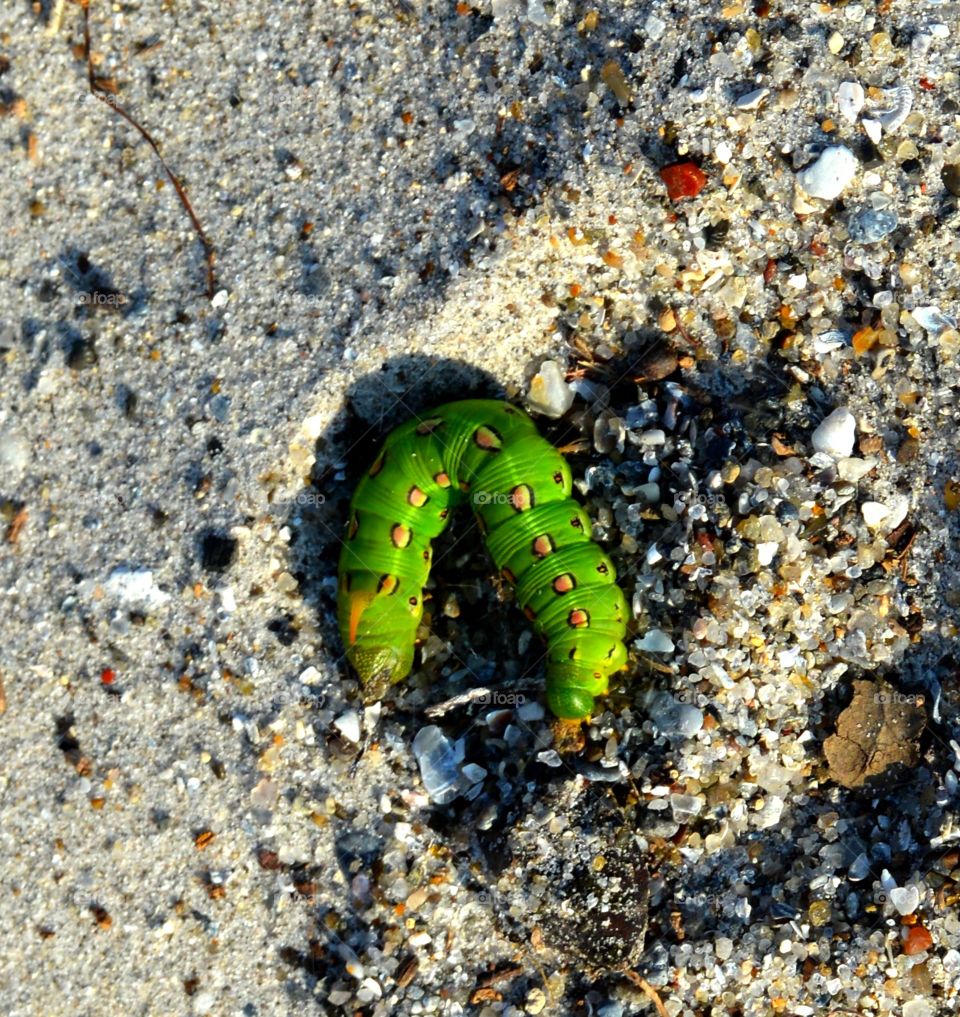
870,225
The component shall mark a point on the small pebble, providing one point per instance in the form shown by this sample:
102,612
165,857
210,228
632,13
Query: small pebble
655,641
685,807
874,514
870,226
673,719
950,177
473,773
14,456
917,1008
310,676
932,319
831,174
134,589
536,1001
203,1002
438,762
549,392
906,899
766,552
873,129
853,469
348,724
654,27
836,433
369,990
916,940
752,99
530,712
683,180
859,868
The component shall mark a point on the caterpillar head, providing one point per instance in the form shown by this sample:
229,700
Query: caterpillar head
379,631
379,667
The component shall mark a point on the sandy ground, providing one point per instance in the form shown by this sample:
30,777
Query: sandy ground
411,202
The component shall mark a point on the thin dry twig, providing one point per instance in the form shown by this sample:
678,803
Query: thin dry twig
649,991
16,525
100,89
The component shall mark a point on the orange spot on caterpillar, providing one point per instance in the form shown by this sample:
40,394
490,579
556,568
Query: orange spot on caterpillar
487,438
508,575
558,478
416,497
400,535
388,584
521,498
564,583
542,546
578,618
378,464
529,613
441,479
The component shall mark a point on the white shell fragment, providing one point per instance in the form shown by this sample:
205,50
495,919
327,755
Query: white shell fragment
348,724
752,99
549,392
836,434
766,552
831,174
874,513
134,588
14,456
854,470
931,318
902,97
830,341
873,129
850,97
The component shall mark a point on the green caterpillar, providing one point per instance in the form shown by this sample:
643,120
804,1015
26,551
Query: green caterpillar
538,537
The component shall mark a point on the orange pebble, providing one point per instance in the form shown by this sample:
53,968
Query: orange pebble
916,940
683,180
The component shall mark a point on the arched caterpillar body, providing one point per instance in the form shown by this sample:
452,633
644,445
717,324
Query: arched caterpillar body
519,487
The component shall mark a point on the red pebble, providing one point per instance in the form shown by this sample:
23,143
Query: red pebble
916,940
683,180
107,676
